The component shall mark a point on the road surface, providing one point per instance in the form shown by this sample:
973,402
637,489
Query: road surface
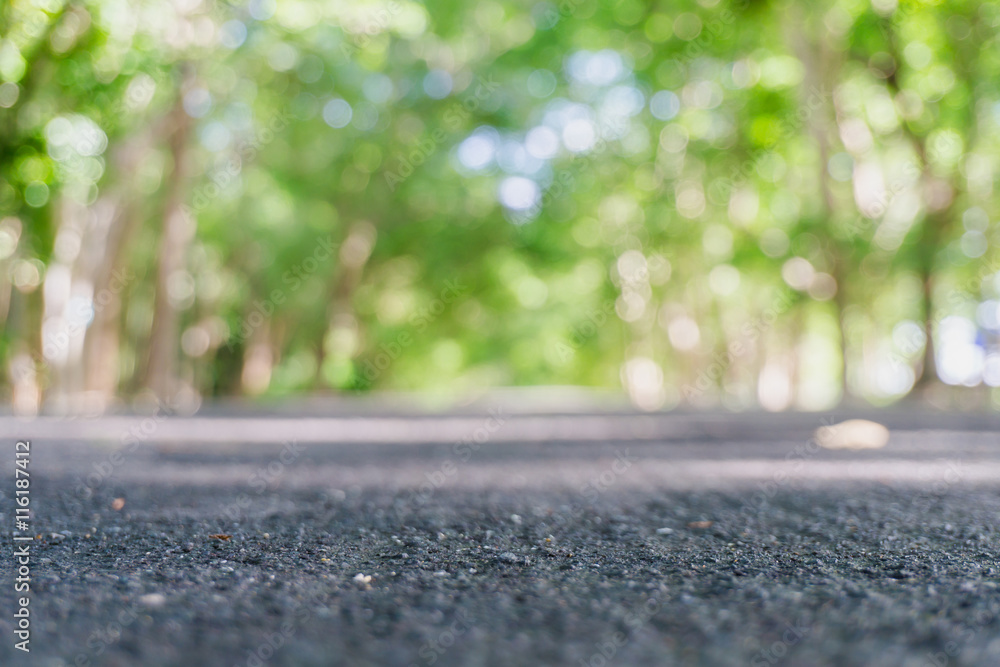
498,539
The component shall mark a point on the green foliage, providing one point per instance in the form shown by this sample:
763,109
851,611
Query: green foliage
743,154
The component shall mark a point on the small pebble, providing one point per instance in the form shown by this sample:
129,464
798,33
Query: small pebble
153,600
853,434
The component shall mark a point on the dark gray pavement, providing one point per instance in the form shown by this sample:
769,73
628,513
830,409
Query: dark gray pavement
495,539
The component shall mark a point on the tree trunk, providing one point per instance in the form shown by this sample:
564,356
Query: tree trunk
933,233
177,231
822,66
100,354
928,369
353,254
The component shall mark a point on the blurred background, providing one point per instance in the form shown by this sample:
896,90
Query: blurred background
706,205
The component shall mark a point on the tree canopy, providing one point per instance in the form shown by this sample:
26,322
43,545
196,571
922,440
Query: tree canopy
705,203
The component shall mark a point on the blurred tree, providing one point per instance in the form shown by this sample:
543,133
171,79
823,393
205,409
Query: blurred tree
713,202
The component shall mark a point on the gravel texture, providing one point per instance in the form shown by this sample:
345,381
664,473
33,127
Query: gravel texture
513,571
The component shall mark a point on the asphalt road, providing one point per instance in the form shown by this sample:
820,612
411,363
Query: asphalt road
685,540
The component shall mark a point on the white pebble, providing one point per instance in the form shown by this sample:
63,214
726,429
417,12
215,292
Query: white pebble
853,434
153,600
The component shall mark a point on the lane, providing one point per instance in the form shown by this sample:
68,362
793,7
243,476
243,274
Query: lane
632,551
923,457
499,422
